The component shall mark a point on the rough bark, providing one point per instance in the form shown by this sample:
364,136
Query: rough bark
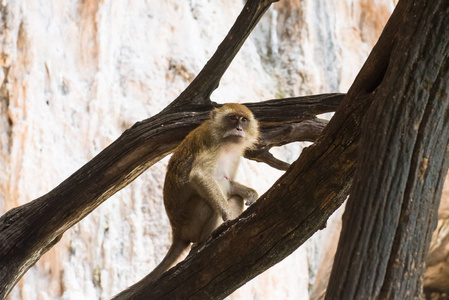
392,210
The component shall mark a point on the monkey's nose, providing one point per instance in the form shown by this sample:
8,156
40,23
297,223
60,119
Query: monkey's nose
239,129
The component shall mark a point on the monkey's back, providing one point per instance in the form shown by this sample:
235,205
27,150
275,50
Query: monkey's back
180,163
177,188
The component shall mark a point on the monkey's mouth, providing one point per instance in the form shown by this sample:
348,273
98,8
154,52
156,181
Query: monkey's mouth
235,134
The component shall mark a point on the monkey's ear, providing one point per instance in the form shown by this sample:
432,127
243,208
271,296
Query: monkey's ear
213,113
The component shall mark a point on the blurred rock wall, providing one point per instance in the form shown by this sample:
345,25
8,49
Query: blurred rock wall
75,74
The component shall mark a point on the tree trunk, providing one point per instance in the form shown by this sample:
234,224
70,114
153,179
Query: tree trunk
392,210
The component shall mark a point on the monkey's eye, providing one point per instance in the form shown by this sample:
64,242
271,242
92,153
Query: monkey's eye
244,119
232,117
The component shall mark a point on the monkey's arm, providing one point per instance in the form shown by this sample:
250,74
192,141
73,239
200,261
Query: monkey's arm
245,192
209,189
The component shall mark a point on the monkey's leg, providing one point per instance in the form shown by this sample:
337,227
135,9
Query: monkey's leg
213,222
236,208
236,205
199,219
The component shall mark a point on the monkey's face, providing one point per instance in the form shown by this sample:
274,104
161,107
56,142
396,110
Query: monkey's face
235,124
236,127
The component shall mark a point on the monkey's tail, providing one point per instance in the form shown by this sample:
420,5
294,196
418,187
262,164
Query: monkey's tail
174,253
171,258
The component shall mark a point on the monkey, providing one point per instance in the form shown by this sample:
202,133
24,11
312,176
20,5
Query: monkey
200,192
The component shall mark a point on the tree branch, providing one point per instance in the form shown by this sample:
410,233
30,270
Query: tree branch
199,91
283,134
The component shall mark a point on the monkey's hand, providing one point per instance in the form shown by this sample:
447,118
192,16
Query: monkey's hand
252,197
248,194
211,191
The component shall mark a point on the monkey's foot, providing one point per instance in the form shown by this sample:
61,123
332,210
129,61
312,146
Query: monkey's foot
220,229
252,198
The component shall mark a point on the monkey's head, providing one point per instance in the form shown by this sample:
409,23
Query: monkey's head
235,123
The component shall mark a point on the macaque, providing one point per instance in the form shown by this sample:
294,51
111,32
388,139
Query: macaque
199,191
